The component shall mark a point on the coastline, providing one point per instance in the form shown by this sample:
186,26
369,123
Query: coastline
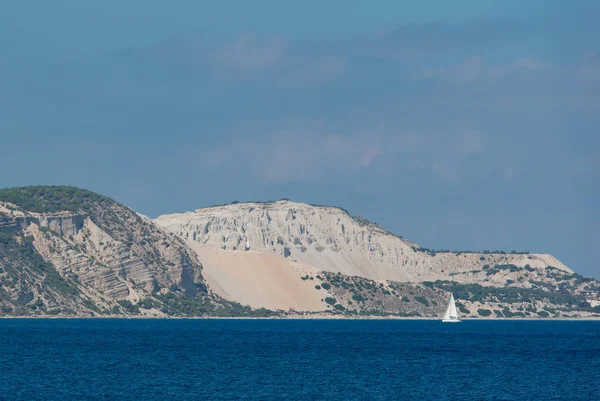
558,319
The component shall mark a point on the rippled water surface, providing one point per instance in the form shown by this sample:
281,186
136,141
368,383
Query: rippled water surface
61,359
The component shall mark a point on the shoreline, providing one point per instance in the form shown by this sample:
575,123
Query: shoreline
560,319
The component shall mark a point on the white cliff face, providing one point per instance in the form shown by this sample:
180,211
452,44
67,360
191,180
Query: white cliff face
100,257
114,252
330,239
325,237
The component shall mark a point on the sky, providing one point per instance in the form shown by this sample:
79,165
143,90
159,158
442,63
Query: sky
466,125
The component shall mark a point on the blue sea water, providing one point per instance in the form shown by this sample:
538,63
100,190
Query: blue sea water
69,359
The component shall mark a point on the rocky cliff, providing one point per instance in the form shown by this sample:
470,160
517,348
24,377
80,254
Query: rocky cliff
332,240
68,251
315,241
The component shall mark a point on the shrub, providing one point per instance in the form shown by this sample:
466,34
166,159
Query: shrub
422,300
91,306
318,287
330,301
484,312
462,309
543,314
146,303
129,307
510,267
326,286
50,199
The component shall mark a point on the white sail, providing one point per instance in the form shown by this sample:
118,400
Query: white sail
451,315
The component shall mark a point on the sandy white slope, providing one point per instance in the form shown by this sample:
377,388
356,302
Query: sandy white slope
259,279
254,253
330,239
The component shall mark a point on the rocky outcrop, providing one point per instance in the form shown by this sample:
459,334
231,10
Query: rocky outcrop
70,252
332,240
105,251
253,251
61,224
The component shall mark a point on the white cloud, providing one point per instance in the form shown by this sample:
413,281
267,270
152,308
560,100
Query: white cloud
308,71
247,52
588,165
287,156
469,70
306,156
475,68
527,64
590,66
449,153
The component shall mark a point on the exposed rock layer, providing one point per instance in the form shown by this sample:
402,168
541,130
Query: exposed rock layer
332,240
70,252
106,251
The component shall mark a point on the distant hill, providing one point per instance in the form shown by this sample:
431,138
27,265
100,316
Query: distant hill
65,251
68,251
233,242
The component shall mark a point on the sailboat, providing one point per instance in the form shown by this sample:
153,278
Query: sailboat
451,316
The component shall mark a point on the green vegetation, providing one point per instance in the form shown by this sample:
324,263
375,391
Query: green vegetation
91,306
326,286
51,199
433,252
507,313
563,300
330,301
512,268
20,250
370,297
462,308
129,307
543,314
148,303
358,298
235,202
422,300
202,305
484,312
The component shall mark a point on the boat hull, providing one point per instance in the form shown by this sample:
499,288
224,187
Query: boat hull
450,320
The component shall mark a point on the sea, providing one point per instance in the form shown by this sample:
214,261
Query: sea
237,359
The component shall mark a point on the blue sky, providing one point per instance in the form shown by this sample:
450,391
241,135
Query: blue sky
462,125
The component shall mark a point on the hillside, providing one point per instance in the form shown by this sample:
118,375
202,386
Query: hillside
330,239
246,244
67,251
